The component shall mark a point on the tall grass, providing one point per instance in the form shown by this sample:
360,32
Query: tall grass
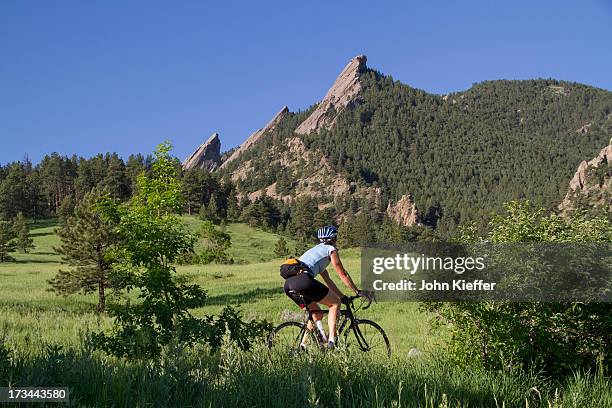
233,378
41,344
30,314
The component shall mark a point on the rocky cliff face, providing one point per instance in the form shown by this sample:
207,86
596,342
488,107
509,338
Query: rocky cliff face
207,156
254,138
592,182
344,89
404,211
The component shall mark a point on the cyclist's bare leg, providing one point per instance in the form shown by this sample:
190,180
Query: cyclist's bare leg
316,315
332,301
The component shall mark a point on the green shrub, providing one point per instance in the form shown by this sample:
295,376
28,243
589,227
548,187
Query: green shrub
554,337
151,238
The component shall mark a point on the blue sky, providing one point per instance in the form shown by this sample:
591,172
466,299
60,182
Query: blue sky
95,76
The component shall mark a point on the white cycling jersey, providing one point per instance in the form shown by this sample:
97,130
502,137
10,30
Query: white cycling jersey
318,258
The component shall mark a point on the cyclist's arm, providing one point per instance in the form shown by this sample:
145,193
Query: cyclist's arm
330,284
335,260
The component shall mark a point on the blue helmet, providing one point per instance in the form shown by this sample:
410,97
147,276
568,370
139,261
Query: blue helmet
326,233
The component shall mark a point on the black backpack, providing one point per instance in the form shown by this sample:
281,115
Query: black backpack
292,267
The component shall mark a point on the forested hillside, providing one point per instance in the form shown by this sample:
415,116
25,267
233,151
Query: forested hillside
460,156
469,152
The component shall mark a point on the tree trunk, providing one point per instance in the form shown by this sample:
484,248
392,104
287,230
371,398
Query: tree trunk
101,297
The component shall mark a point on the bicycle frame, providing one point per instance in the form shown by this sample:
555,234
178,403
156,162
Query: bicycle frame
349,319
350,324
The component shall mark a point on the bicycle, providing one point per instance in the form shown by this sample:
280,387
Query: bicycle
368,336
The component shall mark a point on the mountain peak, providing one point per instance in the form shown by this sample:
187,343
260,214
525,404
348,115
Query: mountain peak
344,89
207,156
255,136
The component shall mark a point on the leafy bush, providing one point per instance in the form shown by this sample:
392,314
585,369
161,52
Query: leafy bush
554,337
151,238
216,243
229,323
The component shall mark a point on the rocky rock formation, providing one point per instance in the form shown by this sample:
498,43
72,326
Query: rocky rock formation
207,156
592,181
404,211
254,138
337,98
584,129
312,174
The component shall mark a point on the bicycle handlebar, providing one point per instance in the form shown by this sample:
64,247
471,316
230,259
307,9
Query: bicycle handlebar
353,298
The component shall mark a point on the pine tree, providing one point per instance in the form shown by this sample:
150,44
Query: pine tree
302,225
216,244
13,192
135,167
281,249
346,235
22,232
302,245
115,180
363,230
263,213
66,208
213,209
86,241
284,182
208,212
192,190
390,232
233,211
8,242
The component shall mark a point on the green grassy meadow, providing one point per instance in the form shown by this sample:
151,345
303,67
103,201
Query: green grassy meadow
29,312
34,322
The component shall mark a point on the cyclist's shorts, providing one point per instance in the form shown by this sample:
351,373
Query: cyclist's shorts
311,289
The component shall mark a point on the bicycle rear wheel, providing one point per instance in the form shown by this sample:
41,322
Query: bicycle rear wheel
288,336
367,336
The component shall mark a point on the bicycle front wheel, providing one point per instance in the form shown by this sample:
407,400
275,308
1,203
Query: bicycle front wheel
368,336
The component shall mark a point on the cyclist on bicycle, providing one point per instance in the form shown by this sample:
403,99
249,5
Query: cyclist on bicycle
313,292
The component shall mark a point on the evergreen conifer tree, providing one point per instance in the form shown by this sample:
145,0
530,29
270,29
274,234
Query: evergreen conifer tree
209,212
233,211
22,232
212,209
281,249
86,242
8,242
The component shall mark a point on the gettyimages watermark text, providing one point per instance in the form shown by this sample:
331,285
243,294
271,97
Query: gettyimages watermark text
540,272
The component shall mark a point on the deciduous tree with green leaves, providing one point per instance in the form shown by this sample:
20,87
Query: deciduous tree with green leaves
151,239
